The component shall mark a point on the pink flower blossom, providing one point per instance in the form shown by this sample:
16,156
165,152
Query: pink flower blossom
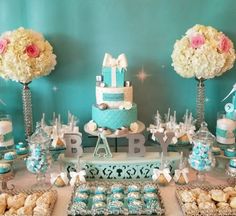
3,45
32,51
197,41
225,44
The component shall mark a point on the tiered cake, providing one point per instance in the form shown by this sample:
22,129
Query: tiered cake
114,110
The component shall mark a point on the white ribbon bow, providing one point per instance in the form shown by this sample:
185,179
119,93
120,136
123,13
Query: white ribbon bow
184,172
231,92
63,175
120,62
158,172
74,175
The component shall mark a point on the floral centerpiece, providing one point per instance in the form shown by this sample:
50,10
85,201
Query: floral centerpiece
24,56
203,53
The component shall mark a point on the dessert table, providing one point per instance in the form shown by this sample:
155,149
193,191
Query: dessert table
24,179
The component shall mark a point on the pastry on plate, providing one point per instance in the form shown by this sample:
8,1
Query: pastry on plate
187,196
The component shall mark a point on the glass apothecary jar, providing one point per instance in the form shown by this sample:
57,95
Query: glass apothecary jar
39,157
201,158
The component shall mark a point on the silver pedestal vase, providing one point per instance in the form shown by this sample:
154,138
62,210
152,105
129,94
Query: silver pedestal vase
27,109
200,109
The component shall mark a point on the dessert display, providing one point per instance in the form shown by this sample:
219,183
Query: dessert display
207,200
23,203
116,198
183,131
203,53
114,111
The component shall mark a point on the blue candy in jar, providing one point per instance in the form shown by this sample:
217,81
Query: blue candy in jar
201,158
38,161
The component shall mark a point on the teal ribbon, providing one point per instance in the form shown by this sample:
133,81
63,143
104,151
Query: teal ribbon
223,133
229,153
8,136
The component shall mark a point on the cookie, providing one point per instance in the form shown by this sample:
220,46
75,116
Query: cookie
219,195
187,196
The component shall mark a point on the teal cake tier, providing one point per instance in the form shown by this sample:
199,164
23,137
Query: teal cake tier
114,118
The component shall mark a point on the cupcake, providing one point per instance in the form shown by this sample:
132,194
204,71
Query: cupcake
22,151
10,156
5,168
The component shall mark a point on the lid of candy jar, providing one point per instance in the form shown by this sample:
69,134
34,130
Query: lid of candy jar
203,135
39,137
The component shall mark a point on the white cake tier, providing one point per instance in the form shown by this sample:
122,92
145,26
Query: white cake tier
114,97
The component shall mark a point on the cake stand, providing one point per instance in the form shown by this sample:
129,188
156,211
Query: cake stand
121,165
113,135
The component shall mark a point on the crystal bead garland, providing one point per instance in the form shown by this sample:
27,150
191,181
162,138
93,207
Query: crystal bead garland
27,109
200,101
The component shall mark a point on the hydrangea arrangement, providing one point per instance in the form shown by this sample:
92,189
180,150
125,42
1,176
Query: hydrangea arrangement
203,52
25,55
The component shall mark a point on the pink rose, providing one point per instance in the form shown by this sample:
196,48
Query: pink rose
32,51
3,45
197,41
225,44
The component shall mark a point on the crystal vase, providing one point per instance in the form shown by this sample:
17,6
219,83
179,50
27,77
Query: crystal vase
27,109
200,101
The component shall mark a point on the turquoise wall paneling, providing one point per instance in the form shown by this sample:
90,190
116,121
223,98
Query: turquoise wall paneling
81,31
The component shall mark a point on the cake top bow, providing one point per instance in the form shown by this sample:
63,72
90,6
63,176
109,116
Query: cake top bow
120,62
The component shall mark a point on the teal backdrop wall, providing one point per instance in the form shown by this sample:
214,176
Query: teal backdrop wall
81,31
